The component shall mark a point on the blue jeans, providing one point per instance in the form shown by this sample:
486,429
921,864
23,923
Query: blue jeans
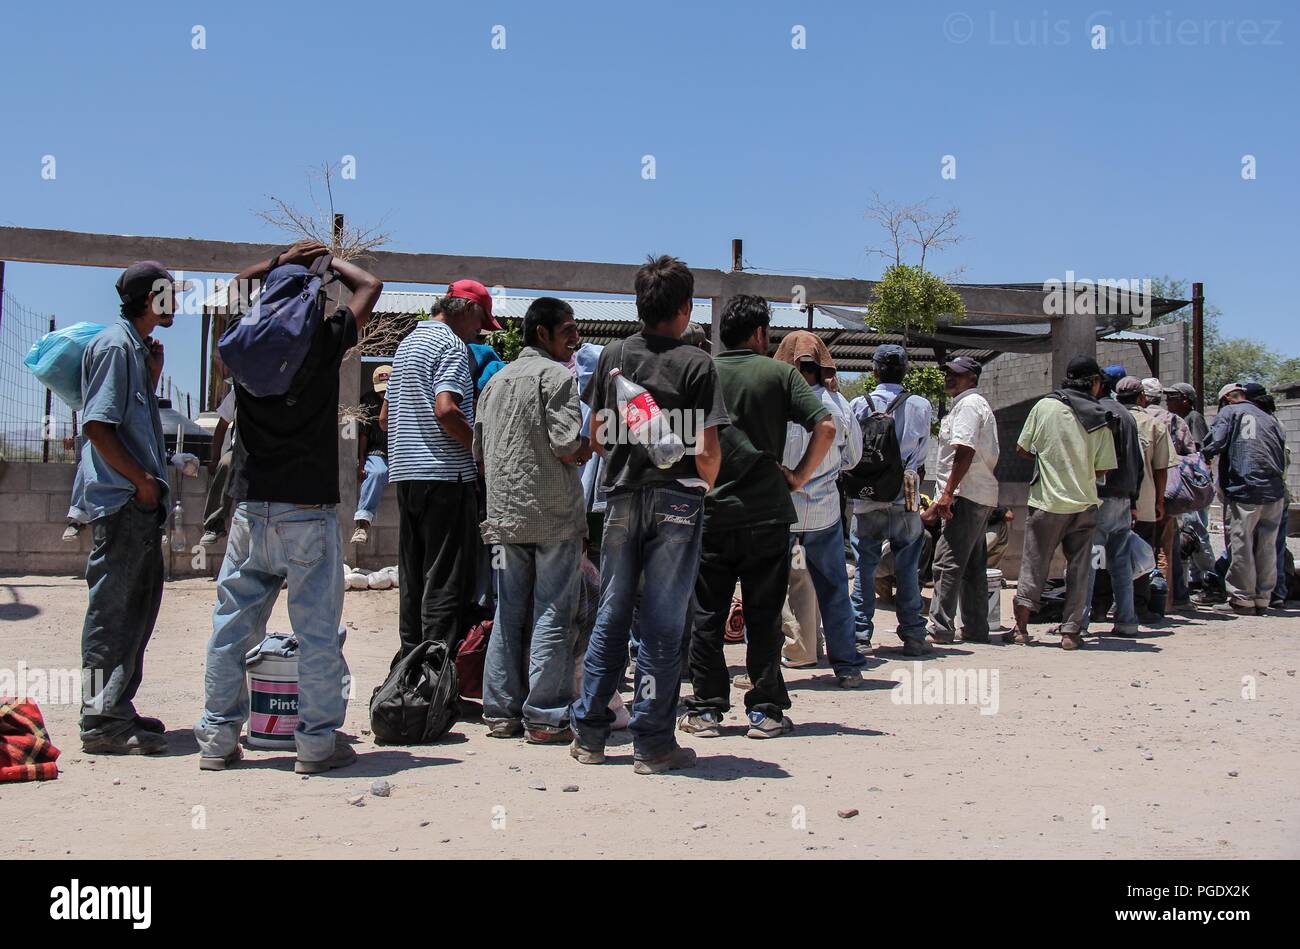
1110,553
270,543
824,558
652,532
528,672
903,530
372,489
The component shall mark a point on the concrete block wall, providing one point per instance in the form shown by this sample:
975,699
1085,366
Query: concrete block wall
1288,414
1015,377
34,508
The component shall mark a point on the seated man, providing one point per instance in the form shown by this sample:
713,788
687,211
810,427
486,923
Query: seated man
372,452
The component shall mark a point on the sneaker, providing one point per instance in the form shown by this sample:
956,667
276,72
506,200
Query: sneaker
505,728
1071,641
707,724
1124,629
150,724
849,680
806,664
342,757
675,760
1020,638
916,647
361,535
217,763
72,531
548,734
1207,598
865,647
135,741
763,726
585,755
942,637
742,682
973,638
210,538
1230,607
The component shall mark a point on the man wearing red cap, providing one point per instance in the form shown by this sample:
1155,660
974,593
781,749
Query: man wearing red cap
428,413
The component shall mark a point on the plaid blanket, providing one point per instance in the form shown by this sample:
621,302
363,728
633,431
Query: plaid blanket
26,753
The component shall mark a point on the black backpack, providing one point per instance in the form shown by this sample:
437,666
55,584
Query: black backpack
418,702
879,475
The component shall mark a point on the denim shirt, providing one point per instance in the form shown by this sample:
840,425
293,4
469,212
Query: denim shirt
116,390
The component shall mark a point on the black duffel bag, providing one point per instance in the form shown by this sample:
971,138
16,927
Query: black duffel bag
418,702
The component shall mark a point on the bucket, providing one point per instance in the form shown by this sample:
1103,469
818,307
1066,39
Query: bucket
273,702
995,599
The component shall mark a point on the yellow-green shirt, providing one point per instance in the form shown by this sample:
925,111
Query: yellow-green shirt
1067,458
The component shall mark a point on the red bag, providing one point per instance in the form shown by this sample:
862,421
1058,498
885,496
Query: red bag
470,657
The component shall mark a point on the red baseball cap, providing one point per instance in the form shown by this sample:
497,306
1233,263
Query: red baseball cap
473,290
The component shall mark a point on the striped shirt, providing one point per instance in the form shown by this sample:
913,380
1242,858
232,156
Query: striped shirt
817,503
429,361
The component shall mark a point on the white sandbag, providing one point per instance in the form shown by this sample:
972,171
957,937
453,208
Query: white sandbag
380,580
358,581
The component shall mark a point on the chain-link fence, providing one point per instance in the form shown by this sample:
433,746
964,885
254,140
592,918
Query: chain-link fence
34,424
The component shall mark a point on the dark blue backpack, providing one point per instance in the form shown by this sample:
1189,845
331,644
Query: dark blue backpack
268,349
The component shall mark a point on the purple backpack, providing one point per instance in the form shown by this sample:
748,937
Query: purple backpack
1188,485
267,350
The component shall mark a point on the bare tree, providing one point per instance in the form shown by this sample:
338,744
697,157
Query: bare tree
350,242
914,226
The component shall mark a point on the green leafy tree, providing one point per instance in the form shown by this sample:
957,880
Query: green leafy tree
911,298
926,381
508,342
1227,359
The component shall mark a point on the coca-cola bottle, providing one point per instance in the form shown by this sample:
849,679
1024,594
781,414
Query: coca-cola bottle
644,423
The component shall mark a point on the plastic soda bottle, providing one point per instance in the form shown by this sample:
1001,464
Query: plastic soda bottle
645,423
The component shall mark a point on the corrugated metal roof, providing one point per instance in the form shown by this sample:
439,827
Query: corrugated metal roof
1128,336
585,310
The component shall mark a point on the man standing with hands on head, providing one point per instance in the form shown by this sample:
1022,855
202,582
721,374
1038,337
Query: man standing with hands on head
123,469
967,491
284,483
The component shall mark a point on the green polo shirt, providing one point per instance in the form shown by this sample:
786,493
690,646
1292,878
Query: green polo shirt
762,395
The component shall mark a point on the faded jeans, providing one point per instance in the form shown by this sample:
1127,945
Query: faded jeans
372,489
124,573
270,543
528,672
823,553
652,532
903,530
1110,554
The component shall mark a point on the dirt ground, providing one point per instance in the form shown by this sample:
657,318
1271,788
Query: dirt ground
1152,747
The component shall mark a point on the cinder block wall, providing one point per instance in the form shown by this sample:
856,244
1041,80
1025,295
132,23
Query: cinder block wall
34,509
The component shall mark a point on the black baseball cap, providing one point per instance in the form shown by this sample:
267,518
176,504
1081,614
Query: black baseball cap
889,354
964,364
1082,367
1253,390
142,278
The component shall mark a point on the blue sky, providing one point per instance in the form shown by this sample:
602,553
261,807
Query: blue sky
1123,162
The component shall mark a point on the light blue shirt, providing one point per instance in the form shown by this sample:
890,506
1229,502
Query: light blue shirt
817,503
116,389
911,423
